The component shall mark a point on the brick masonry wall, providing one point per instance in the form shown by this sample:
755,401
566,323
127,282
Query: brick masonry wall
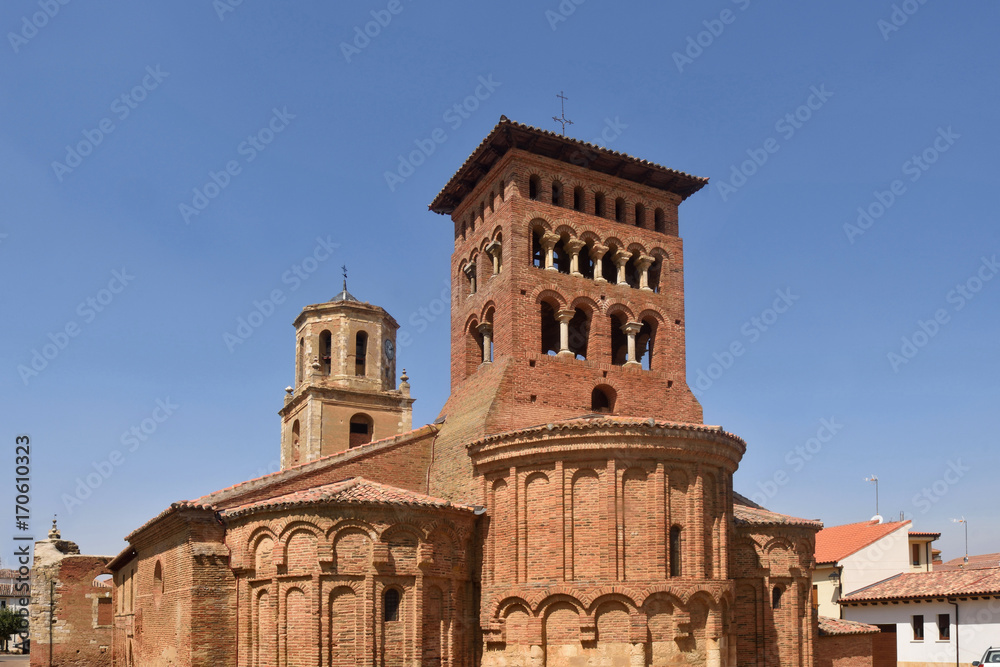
77,638
844,651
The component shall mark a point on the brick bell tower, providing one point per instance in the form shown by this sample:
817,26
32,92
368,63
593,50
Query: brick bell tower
345,391
567,282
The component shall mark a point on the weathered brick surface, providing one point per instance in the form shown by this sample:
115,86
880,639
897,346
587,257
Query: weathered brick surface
844,651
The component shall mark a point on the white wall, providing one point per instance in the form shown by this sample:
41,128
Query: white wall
826,592
979,628
883,559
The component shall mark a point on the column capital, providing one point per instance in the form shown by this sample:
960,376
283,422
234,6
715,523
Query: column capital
574,245
565,314
492,248
470,269
643,262
622,256
549,240
486,328
598,251
631,328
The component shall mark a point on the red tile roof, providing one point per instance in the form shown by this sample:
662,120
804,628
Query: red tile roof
916,585
919,533
975,563
747,512
838,542
838,626
349,491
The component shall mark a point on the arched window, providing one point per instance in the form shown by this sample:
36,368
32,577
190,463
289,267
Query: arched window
579,333
620,210
640,215
632,272
300,360
609,271
599,204
462,230
560,258
361,354
157,581
644,344
619,341
557,193
655,271
534,184
295,433
586,263
602,400
325,351
537,252
390,604
549,328
776,594
675,551
659,224
578,198
360,430
473,348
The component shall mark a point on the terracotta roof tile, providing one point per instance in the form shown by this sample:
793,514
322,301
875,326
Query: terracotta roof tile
920,533
838,626
838,542
747,512
349,491
975,563
930,585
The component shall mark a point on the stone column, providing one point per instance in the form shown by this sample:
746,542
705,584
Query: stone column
621,258
564,316
597,252
631,329
470,273
486,330
643,264
573,247
494,250
548,242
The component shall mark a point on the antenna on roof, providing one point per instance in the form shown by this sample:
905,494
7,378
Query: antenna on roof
874,478
565,121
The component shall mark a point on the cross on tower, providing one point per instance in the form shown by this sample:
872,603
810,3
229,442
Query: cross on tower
565,121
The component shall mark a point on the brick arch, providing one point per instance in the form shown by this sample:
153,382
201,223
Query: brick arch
566,230
620,308
496,233
293,529
506,605
652,314
711,601
486,308
586,302
542,607
548,292
659,251
616,241
471,321
612,598
537,221
297,525
403,527
657,593
350,524
589,236
635,247
256,535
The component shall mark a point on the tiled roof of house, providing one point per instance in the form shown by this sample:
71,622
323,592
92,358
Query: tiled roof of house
920,533
916,585
7,591
837,626
509,134
975,563
838,542
349,491
747,512
7,573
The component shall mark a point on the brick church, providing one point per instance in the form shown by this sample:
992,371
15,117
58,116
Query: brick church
568,507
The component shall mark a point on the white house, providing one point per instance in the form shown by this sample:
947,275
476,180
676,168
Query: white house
856,555
945,618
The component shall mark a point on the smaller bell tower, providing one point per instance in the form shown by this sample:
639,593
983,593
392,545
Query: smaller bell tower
345,392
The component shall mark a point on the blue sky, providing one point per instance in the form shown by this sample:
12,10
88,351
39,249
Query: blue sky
116,113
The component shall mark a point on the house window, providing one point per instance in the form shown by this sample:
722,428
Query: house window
390,606
918,628
944,627
361,430
675,551
916,554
